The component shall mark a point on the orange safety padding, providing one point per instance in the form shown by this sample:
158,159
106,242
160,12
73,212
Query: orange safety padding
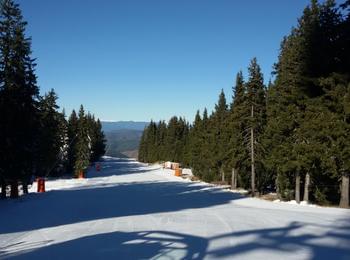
81,175
178,172
41,185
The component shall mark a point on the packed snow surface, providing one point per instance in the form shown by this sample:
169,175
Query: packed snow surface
130,210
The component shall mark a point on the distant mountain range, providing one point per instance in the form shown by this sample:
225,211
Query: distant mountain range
123,137
108,126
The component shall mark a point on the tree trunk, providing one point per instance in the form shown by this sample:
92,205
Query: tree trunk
279,195
14,190
306,187
222,175
297,188
234,179
3,190
25,188
344,192
252,155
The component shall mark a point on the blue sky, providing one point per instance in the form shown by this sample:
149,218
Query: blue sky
140,60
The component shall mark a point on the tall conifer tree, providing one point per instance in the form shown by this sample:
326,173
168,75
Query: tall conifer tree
219,138
50,141
82,148
256,122
72,139
18,98
239,112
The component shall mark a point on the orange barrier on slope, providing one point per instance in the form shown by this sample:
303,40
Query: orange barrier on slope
178,172
81,175
41,185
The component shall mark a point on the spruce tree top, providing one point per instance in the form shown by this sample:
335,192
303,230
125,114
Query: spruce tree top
221,106
238,90
17,71
205,115
197,118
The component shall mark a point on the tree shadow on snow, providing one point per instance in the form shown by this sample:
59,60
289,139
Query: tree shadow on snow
122,245
171,245
109,200
331,242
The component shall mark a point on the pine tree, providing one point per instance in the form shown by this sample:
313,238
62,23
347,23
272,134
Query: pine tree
18,98
195,144
186,153
83,144
181,134
205,163
50,142
219,138
99,144
239,111
72,140
335,129
142,153
64,141
170,139
161,135
289,95
257,120
152,142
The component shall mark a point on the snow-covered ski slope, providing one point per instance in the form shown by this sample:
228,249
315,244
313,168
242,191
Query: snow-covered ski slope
133,211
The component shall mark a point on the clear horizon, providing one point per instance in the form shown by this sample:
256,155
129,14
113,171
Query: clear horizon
142,61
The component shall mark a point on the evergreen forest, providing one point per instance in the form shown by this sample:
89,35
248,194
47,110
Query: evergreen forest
36,139
290,136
